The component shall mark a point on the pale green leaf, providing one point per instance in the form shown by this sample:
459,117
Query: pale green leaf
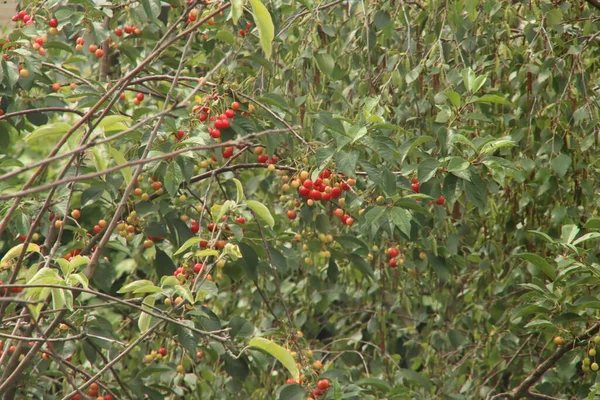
281,354
144,321
261,211
264,23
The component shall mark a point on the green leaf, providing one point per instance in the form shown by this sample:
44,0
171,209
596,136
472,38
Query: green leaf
49,131
188,243
374,382
457,164
292,392
492,98
361,265
185,292
281,354
561,164
261,211
415,377
409,146
120,160
401,218
206,288
225,36
264,23
453,97
173,178
237,9
325,62
133,286
427,169
494,145
540,263
240,197
14,253
145,318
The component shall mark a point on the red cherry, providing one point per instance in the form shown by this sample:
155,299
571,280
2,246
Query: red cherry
139,96
225,123
240,220
440,201
162,351
274,159
304,191
230,113
392,252
215,134
21,14
291,214
203,117
290,381
108,397
415,187
392,263
344,218
323,384
242,32
211,227
128,29
349,221
315,195
195,228
53,23
317,392
345,186
415,180
325,174
336,192
97,228
198,267
263,158
325,196
307,184
119,32
338,212
235,105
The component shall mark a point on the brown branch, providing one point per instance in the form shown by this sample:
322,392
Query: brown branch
594,3
523,389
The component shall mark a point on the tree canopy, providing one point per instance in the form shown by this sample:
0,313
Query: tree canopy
292,199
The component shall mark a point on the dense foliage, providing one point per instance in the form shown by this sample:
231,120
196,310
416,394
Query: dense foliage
293,199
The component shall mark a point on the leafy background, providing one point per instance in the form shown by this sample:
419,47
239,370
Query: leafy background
490,104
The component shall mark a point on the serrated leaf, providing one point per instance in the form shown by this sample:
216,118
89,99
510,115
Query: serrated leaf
120,160
281,354
15,251
133,286
540,263
173,178
261,211
264,23
185,292
48,131
206,288
145,318
237,9
188,243
240,197
401,218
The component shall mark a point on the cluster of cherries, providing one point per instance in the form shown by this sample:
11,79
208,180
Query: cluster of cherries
27,18
392,254
247,31
93,392
5,292
128,30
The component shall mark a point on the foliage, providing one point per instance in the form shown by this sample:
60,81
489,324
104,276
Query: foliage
286,199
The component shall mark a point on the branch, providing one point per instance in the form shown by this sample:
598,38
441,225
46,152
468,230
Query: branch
594,3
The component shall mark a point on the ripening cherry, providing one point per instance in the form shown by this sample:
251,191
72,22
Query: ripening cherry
349,221
338,213
235,106
23,73
291,214
323,384
139,96
56,87
99,53
93,48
